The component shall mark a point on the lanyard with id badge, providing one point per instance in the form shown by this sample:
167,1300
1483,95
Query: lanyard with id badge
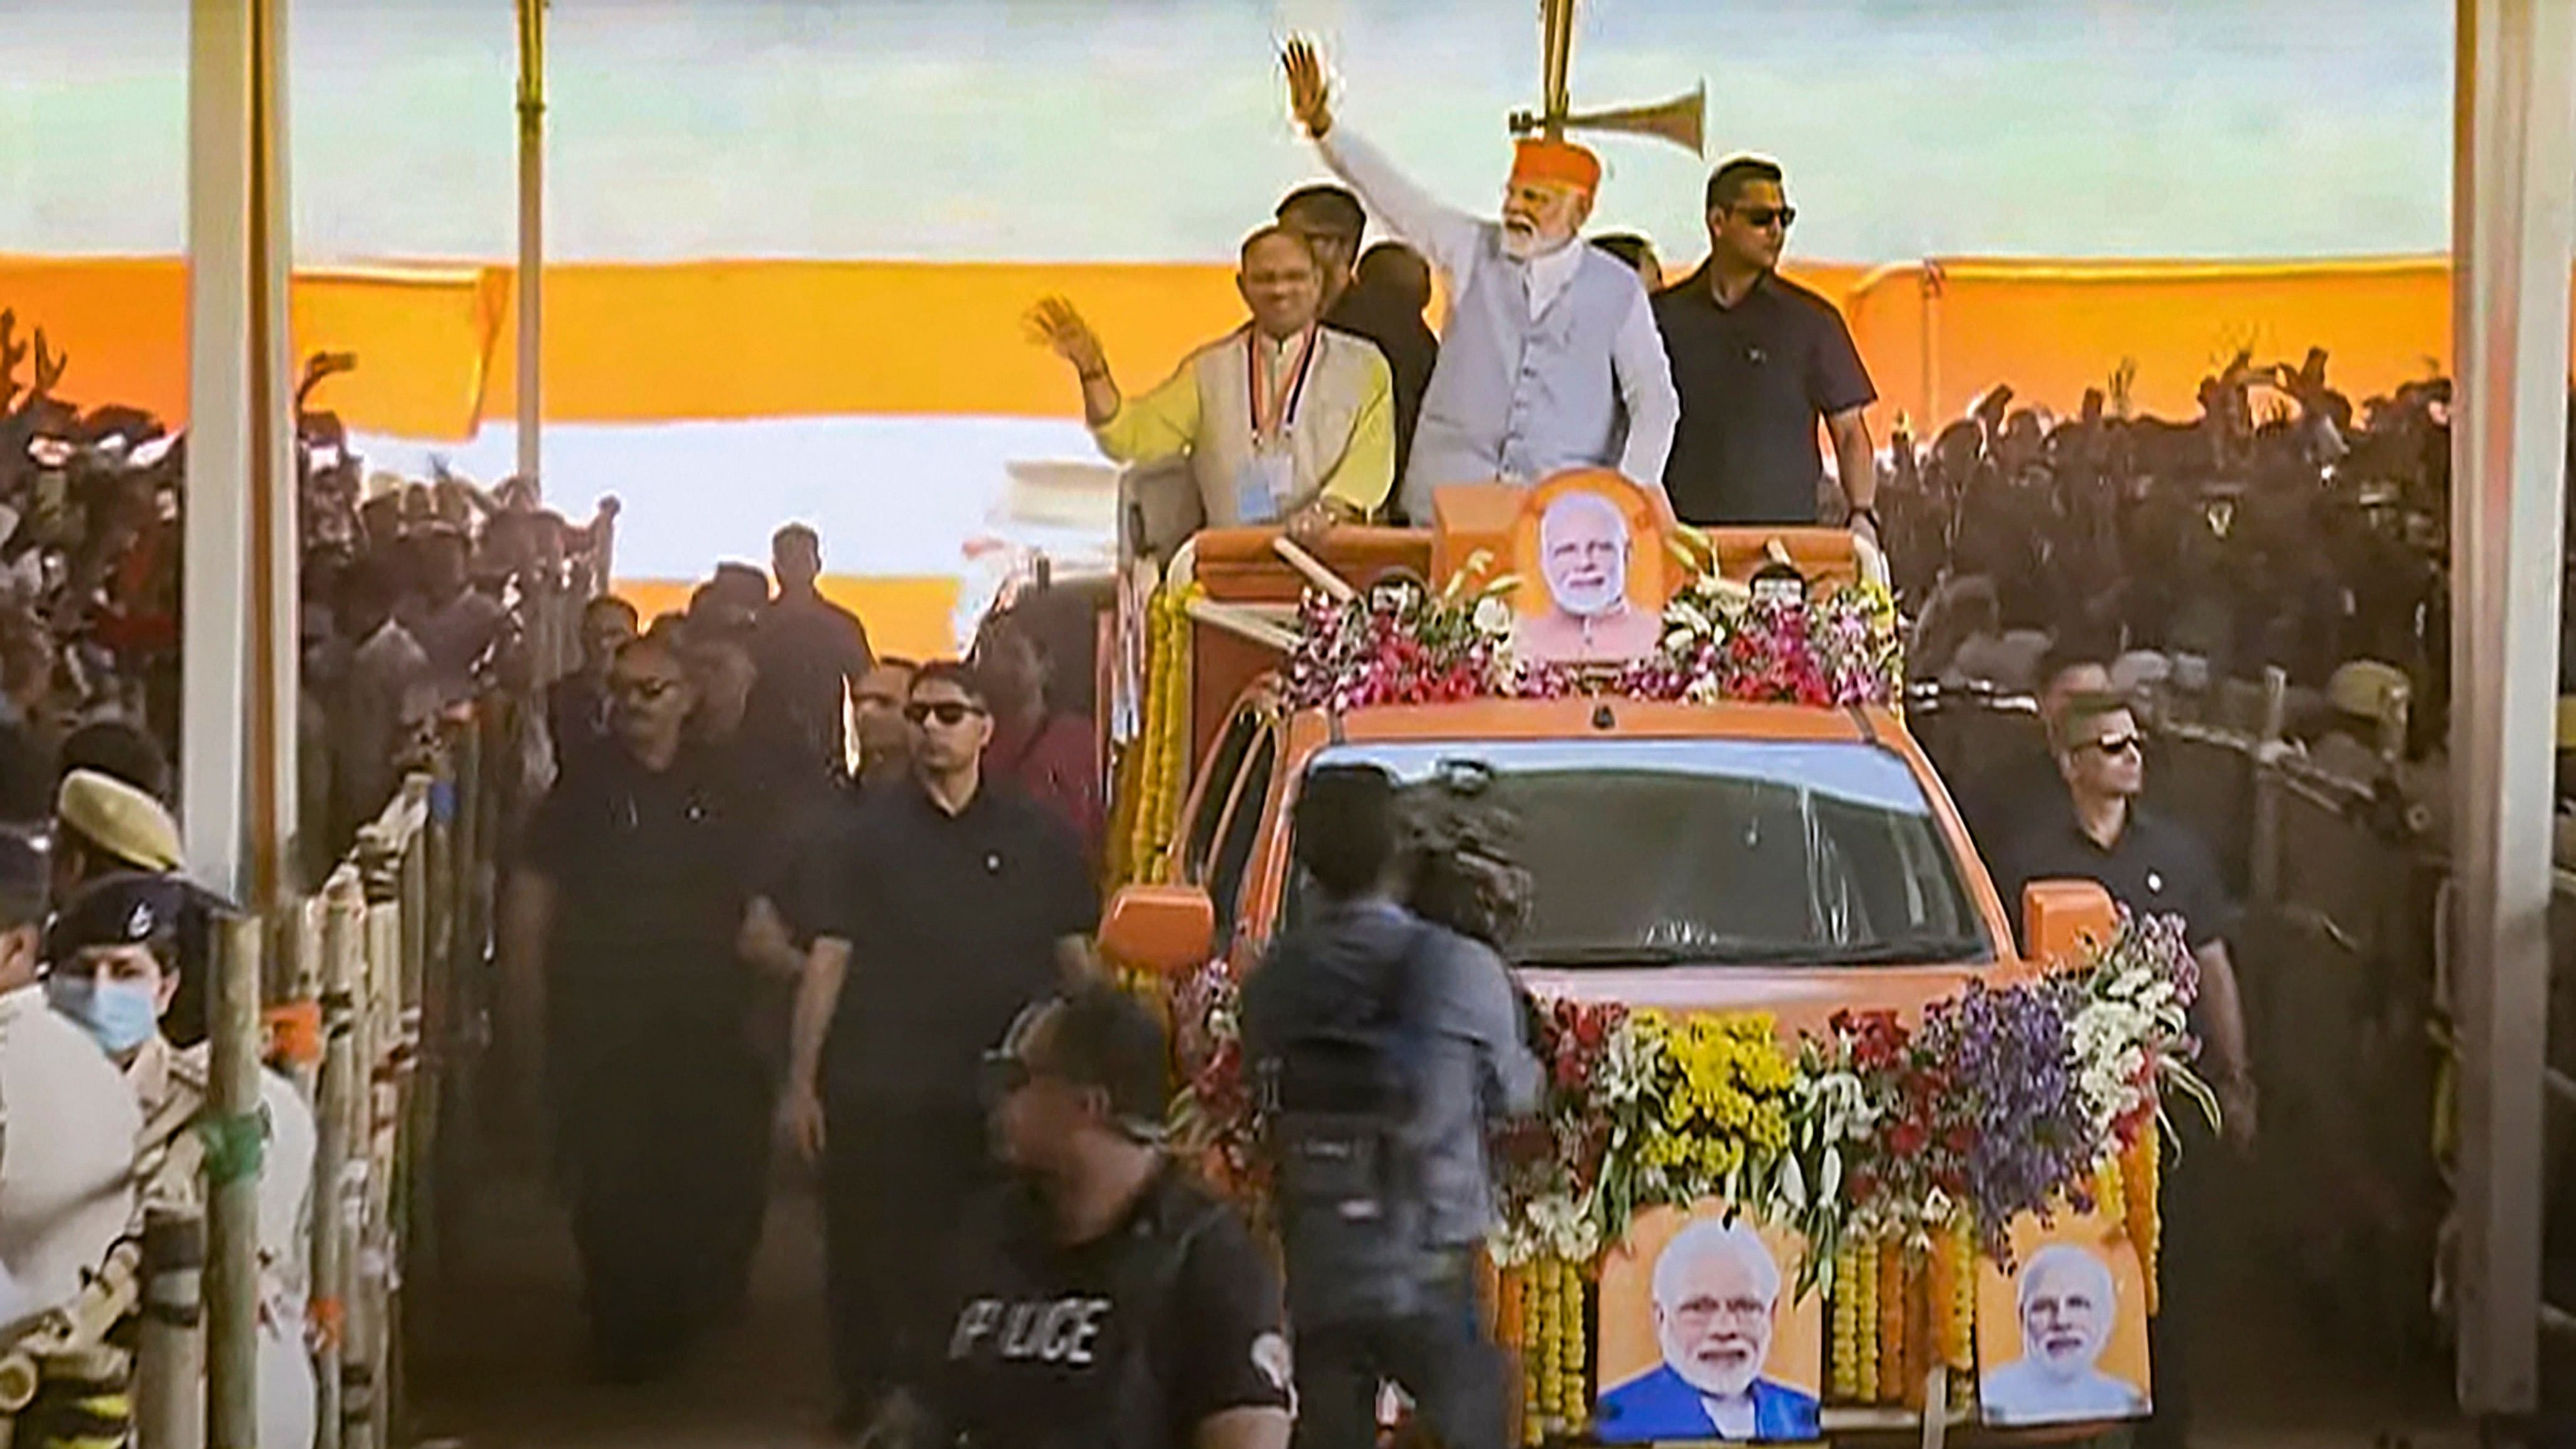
1269,479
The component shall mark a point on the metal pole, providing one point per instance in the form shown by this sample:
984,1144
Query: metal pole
170,1345
2514,220
214,657
532,221
232,1190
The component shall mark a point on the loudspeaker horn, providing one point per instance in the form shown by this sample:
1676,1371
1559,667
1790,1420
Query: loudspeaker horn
1683,120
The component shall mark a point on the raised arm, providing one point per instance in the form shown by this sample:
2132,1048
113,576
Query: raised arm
1449,239
1161,424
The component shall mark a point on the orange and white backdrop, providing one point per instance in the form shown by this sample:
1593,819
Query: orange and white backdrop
791,239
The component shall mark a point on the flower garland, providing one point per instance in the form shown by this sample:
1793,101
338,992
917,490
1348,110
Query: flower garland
1216,1117
1162,780
1900,1155
1544,1316
2003,1102
1702,1105
1402,644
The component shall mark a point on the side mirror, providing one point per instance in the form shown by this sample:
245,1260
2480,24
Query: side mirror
2060,916
1168,930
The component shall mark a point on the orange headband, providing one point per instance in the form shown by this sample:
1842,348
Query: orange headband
1556,163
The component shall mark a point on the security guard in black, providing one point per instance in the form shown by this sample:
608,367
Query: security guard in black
628,901
1105,1300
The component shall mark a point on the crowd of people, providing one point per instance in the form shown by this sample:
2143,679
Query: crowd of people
2280,527
1012,1254
770,887
415,596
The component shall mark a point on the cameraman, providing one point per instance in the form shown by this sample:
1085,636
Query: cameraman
1388,1043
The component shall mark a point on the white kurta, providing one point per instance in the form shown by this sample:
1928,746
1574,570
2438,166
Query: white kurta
66,1152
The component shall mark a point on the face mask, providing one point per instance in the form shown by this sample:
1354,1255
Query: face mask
120,1017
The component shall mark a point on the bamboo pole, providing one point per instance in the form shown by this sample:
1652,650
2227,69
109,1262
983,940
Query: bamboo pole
341,1108
532,244
170,1345
232,1190
412,887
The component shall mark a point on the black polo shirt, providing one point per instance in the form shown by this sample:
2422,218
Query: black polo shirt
952,923
648,869
1407,343
1130,1341
1754,380
2155,868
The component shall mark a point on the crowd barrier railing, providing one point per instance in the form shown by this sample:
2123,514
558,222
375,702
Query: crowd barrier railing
2342,956
370,994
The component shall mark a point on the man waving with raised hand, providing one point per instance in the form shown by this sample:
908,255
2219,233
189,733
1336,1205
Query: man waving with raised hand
1552,359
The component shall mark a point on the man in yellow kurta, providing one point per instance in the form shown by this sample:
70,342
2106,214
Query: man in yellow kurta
1283,420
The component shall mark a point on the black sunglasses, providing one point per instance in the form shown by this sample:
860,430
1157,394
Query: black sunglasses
2117,745
946,711
1005,1074
1787,216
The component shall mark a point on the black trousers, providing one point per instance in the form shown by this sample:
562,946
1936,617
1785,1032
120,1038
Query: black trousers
897,1178
664,1140
1440,1357
2195,1187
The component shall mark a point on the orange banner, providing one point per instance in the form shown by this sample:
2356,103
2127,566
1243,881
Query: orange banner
1936,334
421,334
721,340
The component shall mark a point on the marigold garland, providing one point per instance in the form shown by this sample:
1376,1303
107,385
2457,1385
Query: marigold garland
1530,1323
1951,1275
1844,1380
1893,1301
2141,1169
1865,1324
1162,778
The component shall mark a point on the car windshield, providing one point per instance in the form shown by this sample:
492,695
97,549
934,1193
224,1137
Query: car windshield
1713,852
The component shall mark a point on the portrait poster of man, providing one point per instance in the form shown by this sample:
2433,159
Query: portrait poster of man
2063,1336
1703,1335
1589,553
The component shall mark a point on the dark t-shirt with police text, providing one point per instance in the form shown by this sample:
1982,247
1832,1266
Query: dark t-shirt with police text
1043,1341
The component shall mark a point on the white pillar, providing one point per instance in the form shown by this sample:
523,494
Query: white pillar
2514,221
238,657
532,233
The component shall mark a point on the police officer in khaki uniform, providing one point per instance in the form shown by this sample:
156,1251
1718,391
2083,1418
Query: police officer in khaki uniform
117,956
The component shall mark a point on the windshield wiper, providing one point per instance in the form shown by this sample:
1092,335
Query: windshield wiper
1631,953
1900,950
1905,950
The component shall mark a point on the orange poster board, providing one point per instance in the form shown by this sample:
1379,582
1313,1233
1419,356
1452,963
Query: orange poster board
2062,1336
1701,1321
1594,574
